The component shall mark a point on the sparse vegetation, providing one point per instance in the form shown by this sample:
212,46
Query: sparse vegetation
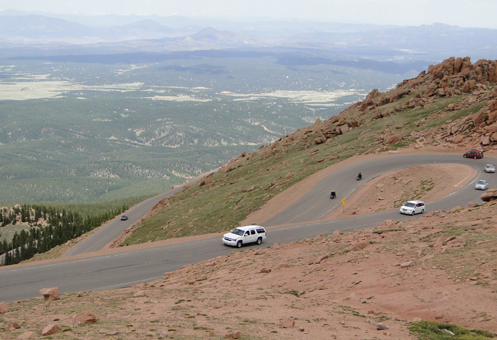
430,330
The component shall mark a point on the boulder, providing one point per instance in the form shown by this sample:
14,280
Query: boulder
84,317
14,325
50,294
319,140
381,326
234,335
491,128
343,129
489,195
287,323
457,139
50,329
485,140
4,308
393,139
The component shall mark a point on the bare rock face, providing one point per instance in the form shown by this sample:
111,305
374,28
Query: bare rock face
489,195
84,317
50,294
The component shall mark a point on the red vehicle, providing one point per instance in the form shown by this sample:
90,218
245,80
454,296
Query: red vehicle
473,154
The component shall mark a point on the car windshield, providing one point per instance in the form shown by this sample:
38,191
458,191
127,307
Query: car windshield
482,182
489,166
409,205
238,232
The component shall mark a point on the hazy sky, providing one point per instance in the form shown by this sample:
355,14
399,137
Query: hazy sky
474,13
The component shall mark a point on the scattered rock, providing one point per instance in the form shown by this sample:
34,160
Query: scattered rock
14,324
50,294
26,336
50,329
84,317
234,335
4,308
287,323
381,326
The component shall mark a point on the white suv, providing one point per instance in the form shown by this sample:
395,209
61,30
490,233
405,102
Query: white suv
413,207
243,235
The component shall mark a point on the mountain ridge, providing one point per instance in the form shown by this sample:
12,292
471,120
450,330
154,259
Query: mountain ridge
405,280
433,42
452,104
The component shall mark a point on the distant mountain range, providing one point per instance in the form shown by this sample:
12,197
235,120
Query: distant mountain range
427,42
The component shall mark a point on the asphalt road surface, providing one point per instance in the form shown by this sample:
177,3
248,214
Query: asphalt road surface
116,227
128,268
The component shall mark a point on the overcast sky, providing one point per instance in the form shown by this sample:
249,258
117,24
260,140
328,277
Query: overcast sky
464,13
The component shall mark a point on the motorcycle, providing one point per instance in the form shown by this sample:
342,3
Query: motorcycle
359,176
333,195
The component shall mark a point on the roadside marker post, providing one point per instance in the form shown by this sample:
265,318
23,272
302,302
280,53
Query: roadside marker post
343,204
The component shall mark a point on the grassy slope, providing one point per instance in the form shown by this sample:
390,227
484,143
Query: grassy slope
221,203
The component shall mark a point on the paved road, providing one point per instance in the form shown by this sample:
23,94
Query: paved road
125,269
116,227
311,207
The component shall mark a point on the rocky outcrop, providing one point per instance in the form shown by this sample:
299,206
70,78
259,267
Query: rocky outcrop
452,77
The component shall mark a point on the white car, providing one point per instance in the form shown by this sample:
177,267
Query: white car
481,185
489,168
244,235
413,207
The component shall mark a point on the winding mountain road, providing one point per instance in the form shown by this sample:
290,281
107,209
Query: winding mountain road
126,268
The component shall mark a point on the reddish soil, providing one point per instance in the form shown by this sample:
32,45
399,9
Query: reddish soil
439,267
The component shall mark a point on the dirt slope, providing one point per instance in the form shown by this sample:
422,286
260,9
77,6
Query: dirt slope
440,267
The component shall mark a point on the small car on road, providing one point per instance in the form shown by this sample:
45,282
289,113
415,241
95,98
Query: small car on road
473,154
481,185
413,207
489,168
124,218
244,235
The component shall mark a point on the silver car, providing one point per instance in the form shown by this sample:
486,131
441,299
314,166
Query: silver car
481,185
489,168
